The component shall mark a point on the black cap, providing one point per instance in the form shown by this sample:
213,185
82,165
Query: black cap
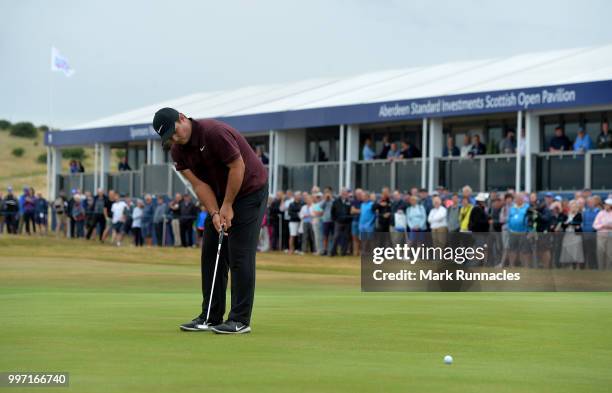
163,123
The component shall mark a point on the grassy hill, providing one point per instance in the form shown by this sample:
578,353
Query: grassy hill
26,170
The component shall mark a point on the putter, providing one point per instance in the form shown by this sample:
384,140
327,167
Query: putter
212,288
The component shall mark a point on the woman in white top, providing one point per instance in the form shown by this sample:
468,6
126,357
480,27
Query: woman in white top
137,223
438,222
306,216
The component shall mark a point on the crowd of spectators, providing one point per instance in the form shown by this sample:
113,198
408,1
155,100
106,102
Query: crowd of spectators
106,217
322,223
473,146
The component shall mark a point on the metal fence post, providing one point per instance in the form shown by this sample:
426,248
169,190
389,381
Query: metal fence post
588,165
483,174
393,175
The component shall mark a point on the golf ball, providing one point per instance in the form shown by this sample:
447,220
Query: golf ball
448,359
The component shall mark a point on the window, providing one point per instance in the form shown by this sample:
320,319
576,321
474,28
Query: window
396,134
323,144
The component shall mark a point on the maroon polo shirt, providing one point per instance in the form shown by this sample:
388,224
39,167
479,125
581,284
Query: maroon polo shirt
212,146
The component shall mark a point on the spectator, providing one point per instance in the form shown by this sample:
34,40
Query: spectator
416,216
60,207
559,142
425,201
590,211
341,216
127,225
393,152
517,226
81,168
317,220
572,247
385,148
583,142
496,208
603,226
41,212
74,168
308,243
137,215
356,202
118,211
368,152
398,206
294,222
147,220
452,213
477,148
200,225
28,210
438,222
124,165
409,150
188,213
90,223
328,223
508,144
464,214
604,140
367,217
70,204
175,210
100,212
450,150
78,215
383,212
11,211
467,147
275,220
159,221
284,207
321,156
261,155
112,196
479,219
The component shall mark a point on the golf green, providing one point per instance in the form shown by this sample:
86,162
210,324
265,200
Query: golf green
110,318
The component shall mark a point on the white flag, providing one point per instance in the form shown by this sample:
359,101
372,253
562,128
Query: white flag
60,63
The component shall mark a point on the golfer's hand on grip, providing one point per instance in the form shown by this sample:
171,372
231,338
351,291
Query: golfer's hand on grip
216,220
226,216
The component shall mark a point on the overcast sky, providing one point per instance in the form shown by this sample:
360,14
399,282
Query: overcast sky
129,54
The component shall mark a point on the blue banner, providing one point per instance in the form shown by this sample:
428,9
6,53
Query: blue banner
530,99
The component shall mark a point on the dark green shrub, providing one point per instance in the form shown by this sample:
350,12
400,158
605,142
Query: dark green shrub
18,151
74,153
42,158
24,130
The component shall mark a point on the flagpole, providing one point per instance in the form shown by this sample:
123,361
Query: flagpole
50,178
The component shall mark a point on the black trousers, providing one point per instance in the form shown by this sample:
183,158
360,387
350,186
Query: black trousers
137,236
186,229
99,223
342,234
237,256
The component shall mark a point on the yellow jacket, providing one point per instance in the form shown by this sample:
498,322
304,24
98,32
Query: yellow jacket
464,217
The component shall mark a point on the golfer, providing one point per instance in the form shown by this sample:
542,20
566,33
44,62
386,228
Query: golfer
231,182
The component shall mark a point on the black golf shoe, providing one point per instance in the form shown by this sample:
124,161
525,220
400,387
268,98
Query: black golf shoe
231,327
197,325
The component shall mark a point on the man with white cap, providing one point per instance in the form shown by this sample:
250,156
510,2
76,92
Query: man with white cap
479,218
603,226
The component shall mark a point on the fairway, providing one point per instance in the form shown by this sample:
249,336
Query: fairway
110,318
